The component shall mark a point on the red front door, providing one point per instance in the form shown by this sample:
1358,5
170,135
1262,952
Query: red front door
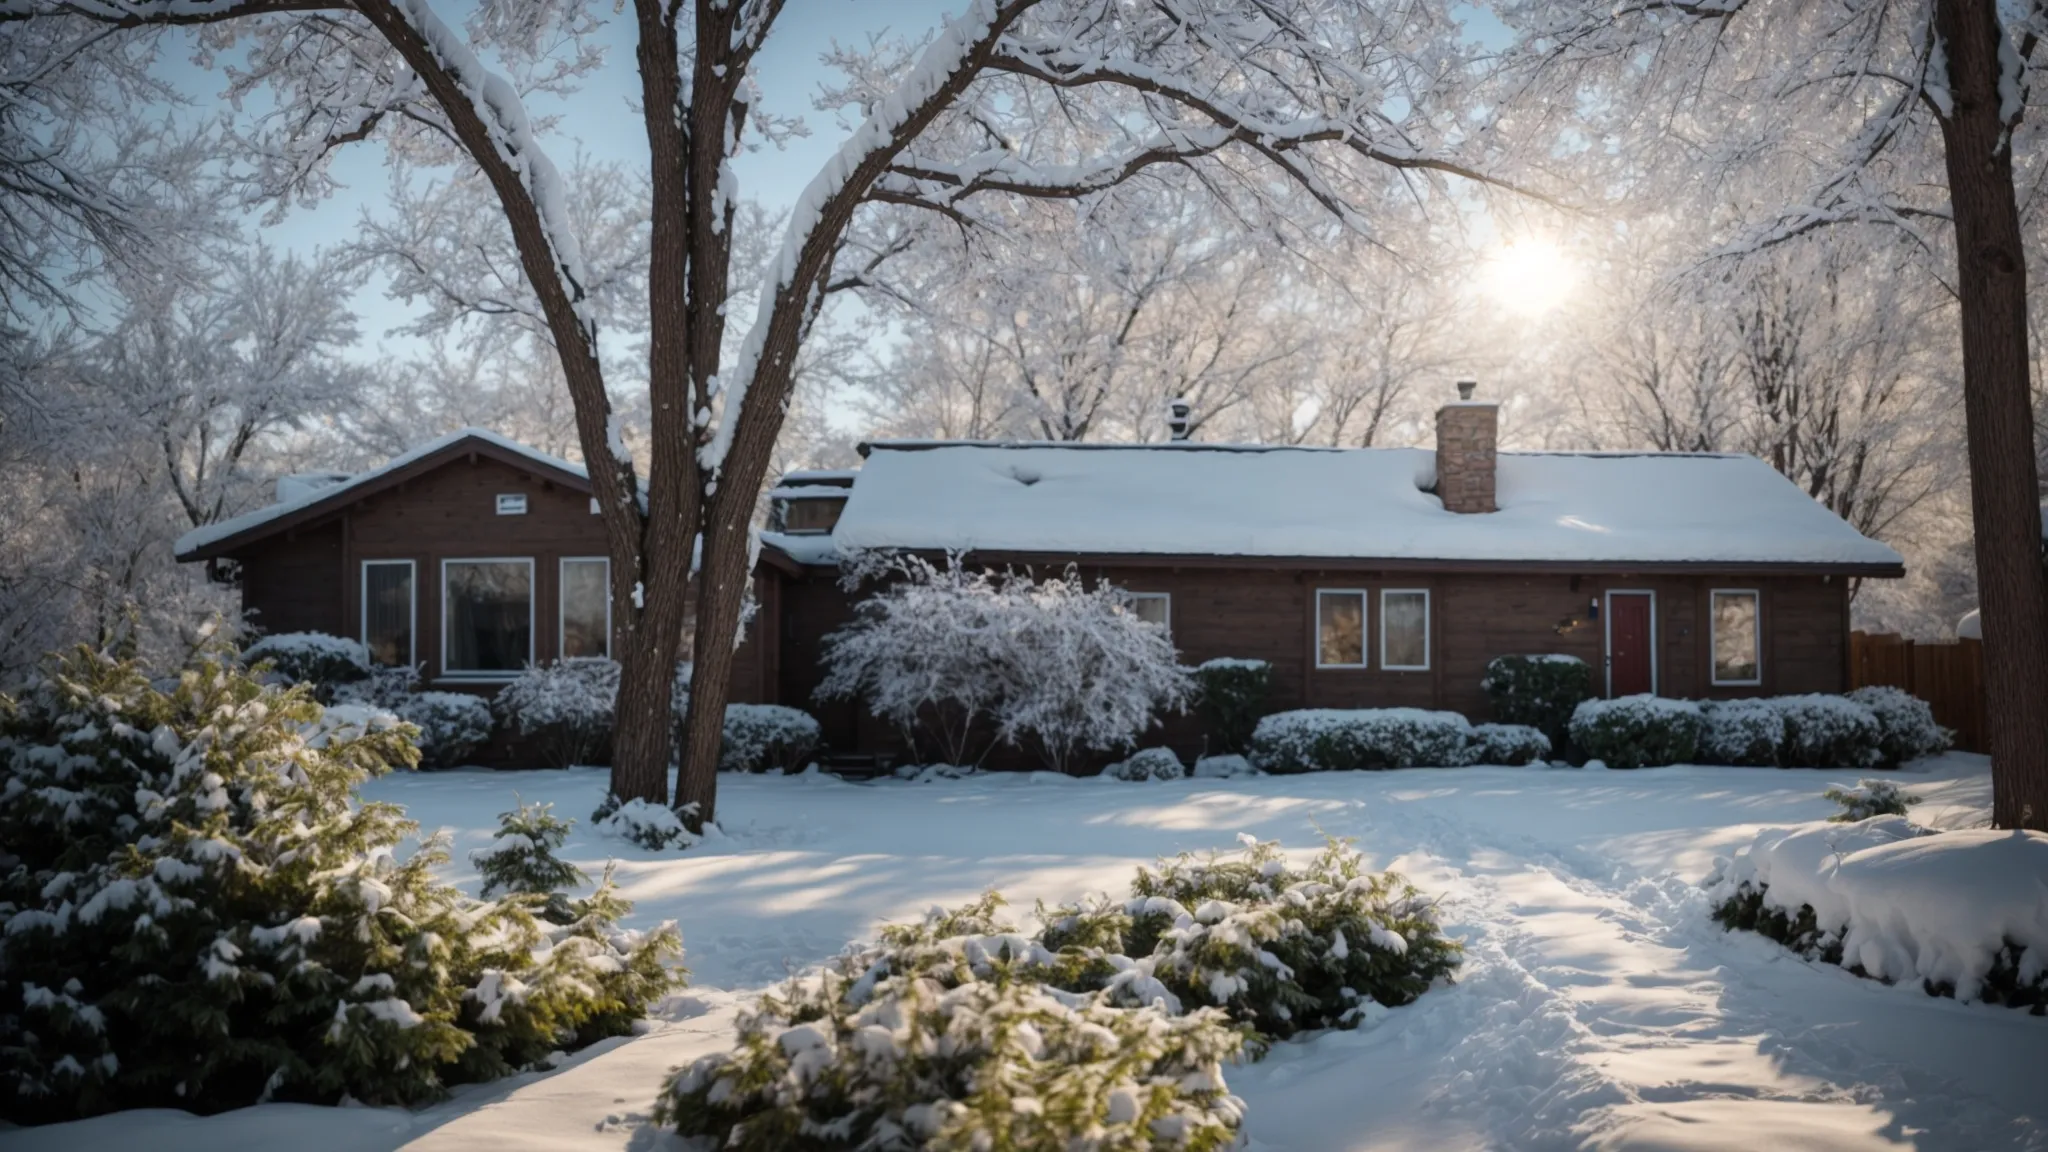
1630,654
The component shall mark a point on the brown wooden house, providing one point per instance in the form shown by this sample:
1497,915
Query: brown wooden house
1366,577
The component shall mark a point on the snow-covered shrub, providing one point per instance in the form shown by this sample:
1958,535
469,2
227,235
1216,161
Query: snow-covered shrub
644,822
943,1038
929,652
932,773
452,726
1906,727
386,686
565,707
522,859
1511,744
1959,912
1540,691
1327,739
1742,732
1147,764
763,736
1638,731
1827,732
1230,697
321,662
1869,798
1282,949
201,914
1222,768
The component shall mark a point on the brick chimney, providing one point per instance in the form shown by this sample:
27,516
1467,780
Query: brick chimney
1467,433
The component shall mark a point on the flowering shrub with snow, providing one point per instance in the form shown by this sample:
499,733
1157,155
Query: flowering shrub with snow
315,659
1147,764
1510,744
763,736
1540,691
1334,739
1230,697
452,726
1869,798
522,858
650,825
1960,912
1742,732
565,706
1638,731
202,915
945,1036
1827,732
1905,724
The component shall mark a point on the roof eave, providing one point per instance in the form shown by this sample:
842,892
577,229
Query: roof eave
1872,569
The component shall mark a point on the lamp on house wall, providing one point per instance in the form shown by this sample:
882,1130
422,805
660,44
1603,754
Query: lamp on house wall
1180,418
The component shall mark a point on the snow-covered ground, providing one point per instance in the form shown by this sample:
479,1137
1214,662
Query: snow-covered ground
1599,1008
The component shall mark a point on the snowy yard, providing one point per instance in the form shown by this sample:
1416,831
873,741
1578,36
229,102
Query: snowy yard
1598,1007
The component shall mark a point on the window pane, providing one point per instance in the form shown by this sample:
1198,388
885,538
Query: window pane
387,613
1340,628
1404,629
490,616
1151,607
1735,637
586,628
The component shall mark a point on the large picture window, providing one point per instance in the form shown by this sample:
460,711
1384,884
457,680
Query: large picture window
586,607
388,612
1153,608
1404,629
486,616
1738,637
1340,628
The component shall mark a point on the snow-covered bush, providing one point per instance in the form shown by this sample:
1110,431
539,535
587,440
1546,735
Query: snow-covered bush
522,859
1869,798
1511,744
565,707
1540,691
1742,732
1282,949
763,736
201,914
643,822
1906,727
1638,731
1327,739
1230,698
1827,732
1147,764
386,686
1959,912
321,662
943,1038
1222,768
452,726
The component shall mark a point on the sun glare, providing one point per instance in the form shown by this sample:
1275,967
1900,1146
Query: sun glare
1529,276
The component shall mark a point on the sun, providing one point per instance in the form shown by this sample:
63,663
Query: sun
1529,276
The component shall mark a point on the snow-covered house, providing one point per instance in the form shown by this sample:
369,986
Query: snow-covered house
1366,577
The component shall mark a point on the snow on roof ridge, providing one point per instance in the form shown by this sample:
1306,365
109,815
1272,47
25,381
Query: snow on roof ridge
206,534
922,445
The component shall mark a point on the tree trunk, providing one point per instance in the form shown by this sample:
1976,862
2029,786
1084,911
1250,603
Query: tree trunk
721,598
644,720
2004,482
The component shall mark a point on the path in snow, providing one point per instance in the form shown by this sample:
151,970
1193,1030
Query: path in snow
1599,1008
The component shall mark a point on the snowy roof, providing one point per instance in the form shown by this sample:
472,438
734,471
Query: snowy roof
804,547
1187,499
303,497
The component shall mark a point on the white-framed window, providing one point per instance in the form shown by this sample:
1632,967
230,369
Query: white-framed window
511,503
1404,629
586,596
1153,608
390,612
1340,628
1738,636
486,616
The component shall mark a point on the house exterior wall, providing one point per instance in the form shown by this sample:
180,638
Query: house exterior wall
294,582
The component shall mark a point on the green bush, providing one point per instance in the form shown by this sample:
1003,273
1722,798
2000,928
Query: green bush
1905,723
1230,698
1638,731
1540,691
1828,732
321,662
1746,733
1338,739
201,914
522,859
1148,764
759,737
1869,798
1512,744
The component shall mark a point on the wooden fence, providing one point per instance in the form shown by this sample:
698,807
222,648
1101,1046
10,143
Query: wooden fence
1948,675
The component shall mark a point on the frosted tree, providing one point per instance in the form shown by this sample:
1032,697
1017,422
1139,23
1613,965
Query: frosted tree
1902,116
1038,98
